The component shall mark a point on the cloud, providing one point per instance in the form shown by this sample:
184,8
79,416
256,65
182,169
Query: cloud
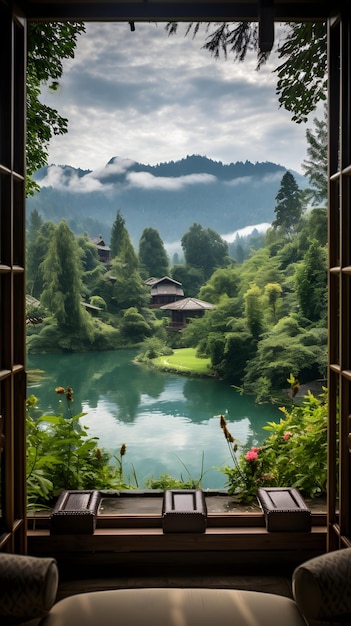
244,232
98,180
57,177
244,180
153,98
145,180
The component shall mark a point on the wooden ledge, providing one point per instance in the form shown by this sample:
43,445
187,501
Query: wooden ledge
217,545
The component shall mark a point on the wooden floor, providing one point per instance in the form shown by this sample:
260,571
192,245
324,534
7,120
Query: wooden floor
269,583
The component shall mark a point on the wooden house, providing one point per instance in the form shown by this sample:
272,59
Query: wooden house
164,291
184,309
104,252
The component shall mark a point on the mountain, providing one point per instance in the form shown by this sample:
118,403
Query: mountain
169,197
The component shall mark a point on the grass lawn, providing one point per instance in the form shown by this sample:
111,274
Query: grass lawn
184,361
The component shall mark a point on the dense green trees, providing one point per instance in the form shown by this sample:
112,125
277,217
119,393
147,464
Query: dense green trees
204,249
270,319
271,310
287,347
270,316
62,272
224,283
153,257
191,278
66,276
37,249
123,286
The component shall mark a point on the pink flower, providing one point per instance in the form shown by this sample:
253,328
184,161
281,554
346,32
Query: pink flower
287,435
251,455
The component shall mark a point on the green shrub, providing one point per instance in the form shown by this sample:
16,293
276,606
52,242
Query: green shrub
61,455
165,481
293,455
153,347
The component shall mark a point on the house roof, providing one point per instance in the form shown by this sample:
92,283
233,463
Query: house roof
99,242
151,280
188,304
165,279
165,286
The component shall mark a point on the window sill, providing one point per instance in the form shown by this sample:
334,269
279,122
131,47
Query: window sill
143,509
129,531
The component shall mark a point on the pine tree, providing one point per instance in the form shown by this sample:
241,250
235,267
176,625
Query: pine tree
117,235
316,167
288,209
127,288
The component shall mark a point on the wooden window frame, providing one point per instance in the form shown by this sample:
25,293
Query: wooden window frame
13,519
12,278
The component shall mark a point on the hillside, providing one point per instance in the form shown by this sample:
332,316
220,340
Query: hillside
169,197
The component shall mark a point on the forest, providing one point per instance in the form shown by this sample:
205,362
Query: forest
270,319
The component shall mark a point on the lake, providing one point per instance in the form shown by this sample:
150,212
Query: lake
168,422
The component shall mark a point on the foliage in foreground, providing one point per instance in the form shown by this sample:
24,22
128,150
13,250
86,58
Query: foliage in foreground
61,455
293,455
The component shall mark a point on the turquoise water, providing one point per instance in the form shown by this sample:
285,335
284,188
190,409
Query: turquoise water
167,422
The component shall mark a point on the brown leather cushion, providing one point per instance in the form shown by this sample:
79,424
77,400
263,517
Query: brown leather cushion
175,607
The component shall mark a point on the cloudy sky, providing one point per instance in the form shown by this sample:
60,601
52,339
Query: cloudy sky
152,98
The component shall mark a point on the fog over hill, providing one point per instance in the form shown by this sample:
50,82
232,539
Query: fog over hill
169,197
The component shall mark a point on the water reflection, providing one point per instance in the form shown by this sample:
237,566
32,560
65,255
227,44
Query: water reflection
168,422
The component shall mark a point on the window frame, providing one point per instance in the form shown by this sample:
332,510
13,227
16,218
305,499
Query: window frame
13,529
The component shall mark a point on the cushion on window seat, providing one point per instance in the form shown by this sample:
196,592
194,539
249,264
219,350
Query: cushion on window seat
28,587
322,587
174,607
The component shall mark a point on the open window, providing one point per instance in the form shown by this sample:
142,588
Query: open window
13,530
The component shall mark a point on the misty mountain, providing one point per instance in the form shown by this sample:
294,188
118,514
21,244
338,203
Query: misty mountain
169,197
